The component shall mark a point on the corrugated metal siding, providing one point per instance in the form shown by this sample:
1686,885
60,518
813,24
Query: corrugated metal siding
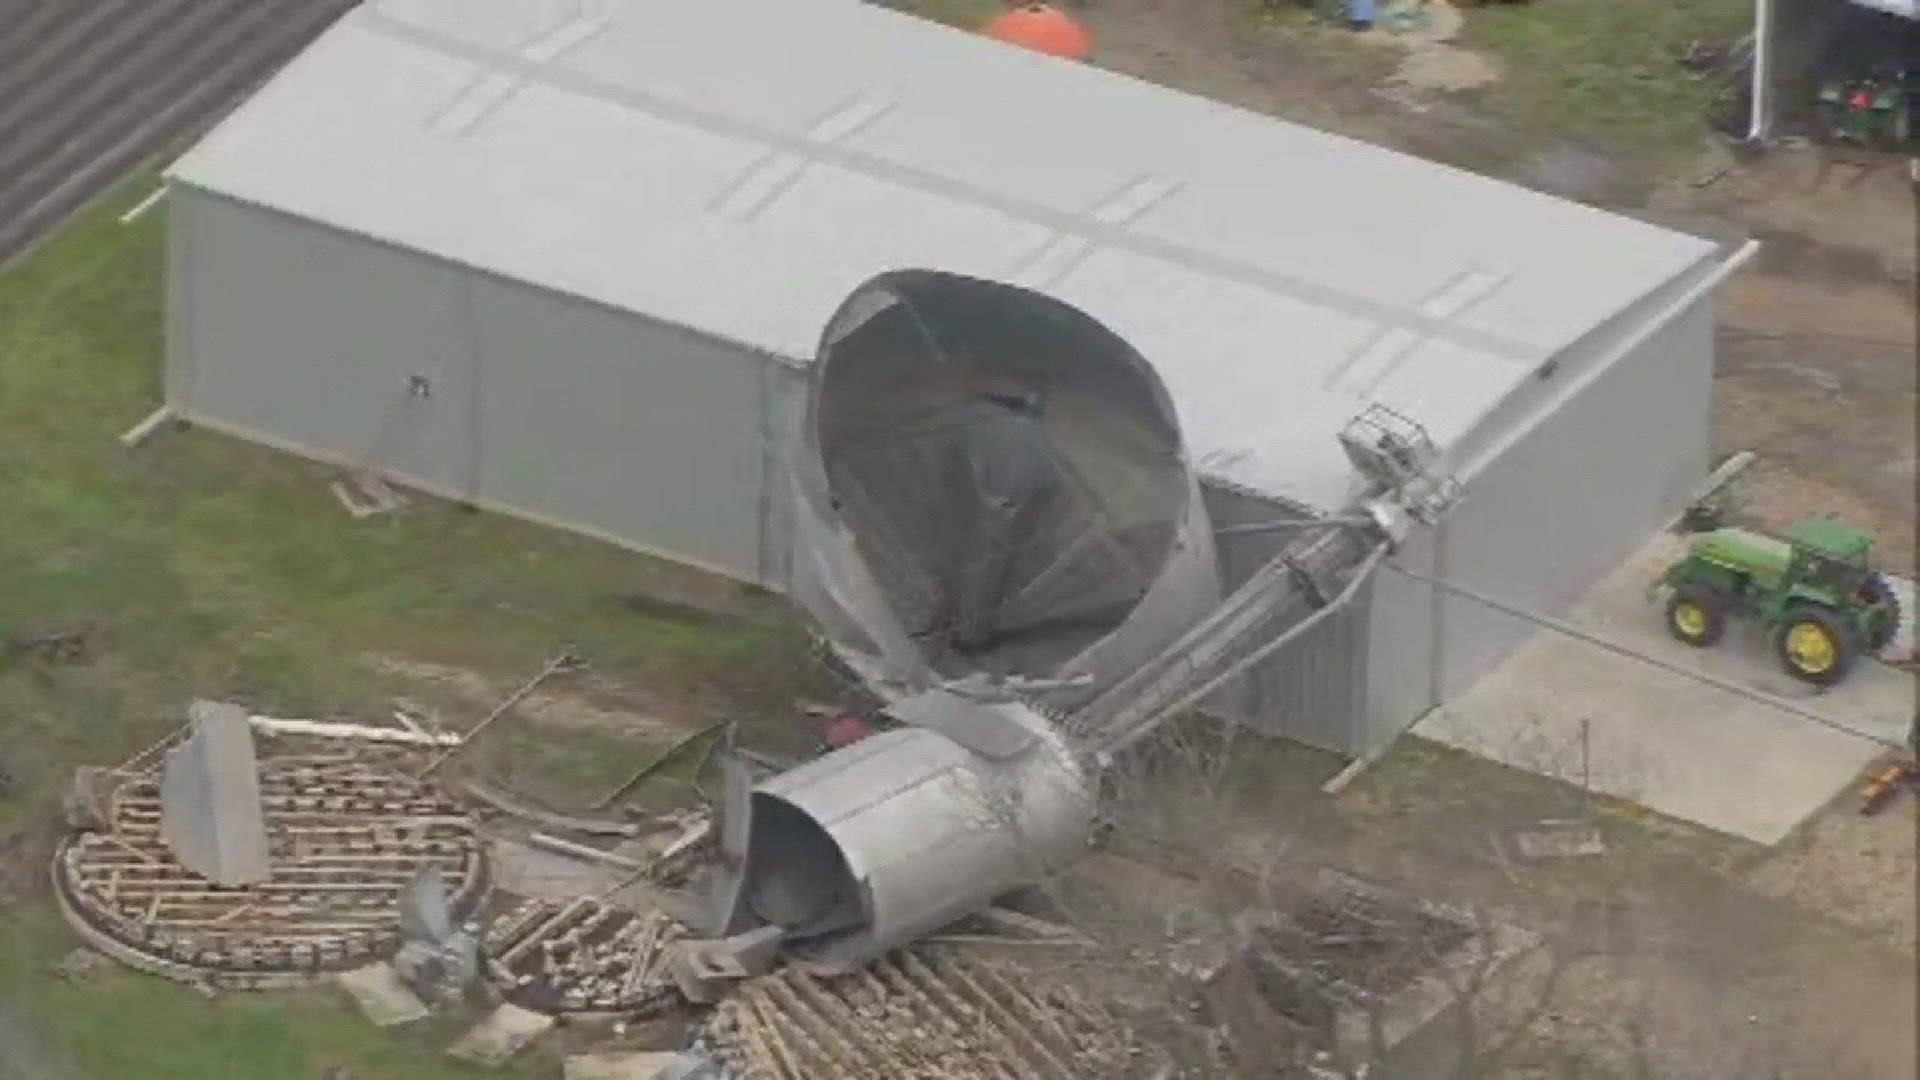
785,408
552,408
1313,690
635,430
311,335
1579,492
1403,649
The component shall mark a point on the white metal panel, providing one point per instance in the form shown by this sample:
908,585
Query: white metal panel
739,166
636,430
1578,492
556,409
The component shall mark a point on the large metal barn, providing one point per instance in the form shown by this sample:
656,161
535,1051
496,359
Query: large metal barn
572,262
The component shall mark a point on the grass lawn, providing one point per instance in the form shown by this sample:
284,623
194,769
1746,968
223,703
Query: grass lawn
214,568
1603,69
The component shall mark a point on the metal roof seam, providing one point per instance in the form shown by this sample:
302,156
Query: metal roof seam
876,167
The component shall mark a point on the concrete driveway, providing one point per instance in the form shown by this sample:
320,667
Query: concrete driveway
1669,743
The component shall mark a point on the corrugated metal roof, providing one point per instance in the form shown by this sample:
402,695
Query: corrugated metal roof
739,166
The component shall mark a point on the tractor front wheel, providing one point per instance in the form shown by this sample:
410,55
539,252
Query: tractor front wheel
1697,617
1815,646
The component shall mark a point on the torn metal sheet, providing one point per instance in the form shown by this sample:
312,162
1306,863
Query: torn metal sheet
734,829
210,798
990,728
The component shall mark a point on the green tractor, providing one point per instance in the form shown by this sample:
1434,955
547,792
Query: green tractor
1813,589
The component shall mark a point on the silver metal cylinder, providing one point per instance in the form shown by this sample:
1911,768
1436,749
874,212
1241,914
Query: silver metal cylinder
871,847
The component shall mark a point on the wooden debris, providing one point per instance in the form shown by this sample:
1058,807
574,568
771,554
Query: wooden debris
365,494
582,957
139,433
1559,840
344,838
562,846
927,1011
558,665
323,729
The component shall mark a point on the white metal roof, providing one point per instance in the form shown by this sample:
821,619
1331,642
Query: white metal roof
739,166
1906,9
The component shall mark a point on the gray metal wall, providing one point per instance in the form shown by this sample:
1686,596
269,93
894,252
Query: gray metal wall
1559,502
669,442
544,406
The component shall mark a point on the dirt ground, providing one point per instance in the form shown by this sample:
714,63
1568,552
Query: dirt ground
1817,364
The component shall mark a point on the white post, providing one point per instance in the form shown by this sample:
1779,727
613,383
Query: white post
1760,116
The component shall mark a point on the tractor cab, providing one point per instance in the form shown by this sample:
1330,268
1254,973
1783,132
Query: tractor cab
1830,560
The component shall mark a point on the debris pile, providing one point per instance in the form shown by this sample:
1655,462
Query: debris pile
583,957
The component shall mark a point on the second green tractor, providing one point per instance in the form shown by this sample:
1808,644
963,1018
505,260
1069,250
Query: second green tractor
1813,589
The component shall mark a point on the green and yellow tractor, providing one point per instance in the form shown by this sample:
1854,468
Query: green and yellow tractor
1814,590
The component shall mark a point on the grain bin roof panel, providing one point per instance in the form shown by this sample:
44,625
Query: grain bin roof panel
690,163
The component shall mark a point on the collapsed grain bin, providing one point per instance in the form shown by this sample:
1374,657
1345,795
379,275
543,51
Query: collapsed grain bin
989,482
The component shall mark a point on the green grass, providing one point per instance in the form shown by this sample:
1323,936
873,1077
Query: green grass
125,1026
218,569
1606,70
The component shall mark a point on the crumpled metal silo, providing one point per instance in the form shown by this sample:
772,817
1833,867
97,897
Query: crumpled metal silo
994,516
991,483
869,848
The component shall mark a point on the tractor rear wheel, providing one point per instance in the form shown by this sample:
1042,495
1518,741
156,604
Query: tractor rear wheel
1697,616
1815,646
1878,591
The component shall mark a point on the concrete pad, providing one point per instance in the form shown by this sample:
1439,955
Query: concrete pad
504,1032
382,997
1667,742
